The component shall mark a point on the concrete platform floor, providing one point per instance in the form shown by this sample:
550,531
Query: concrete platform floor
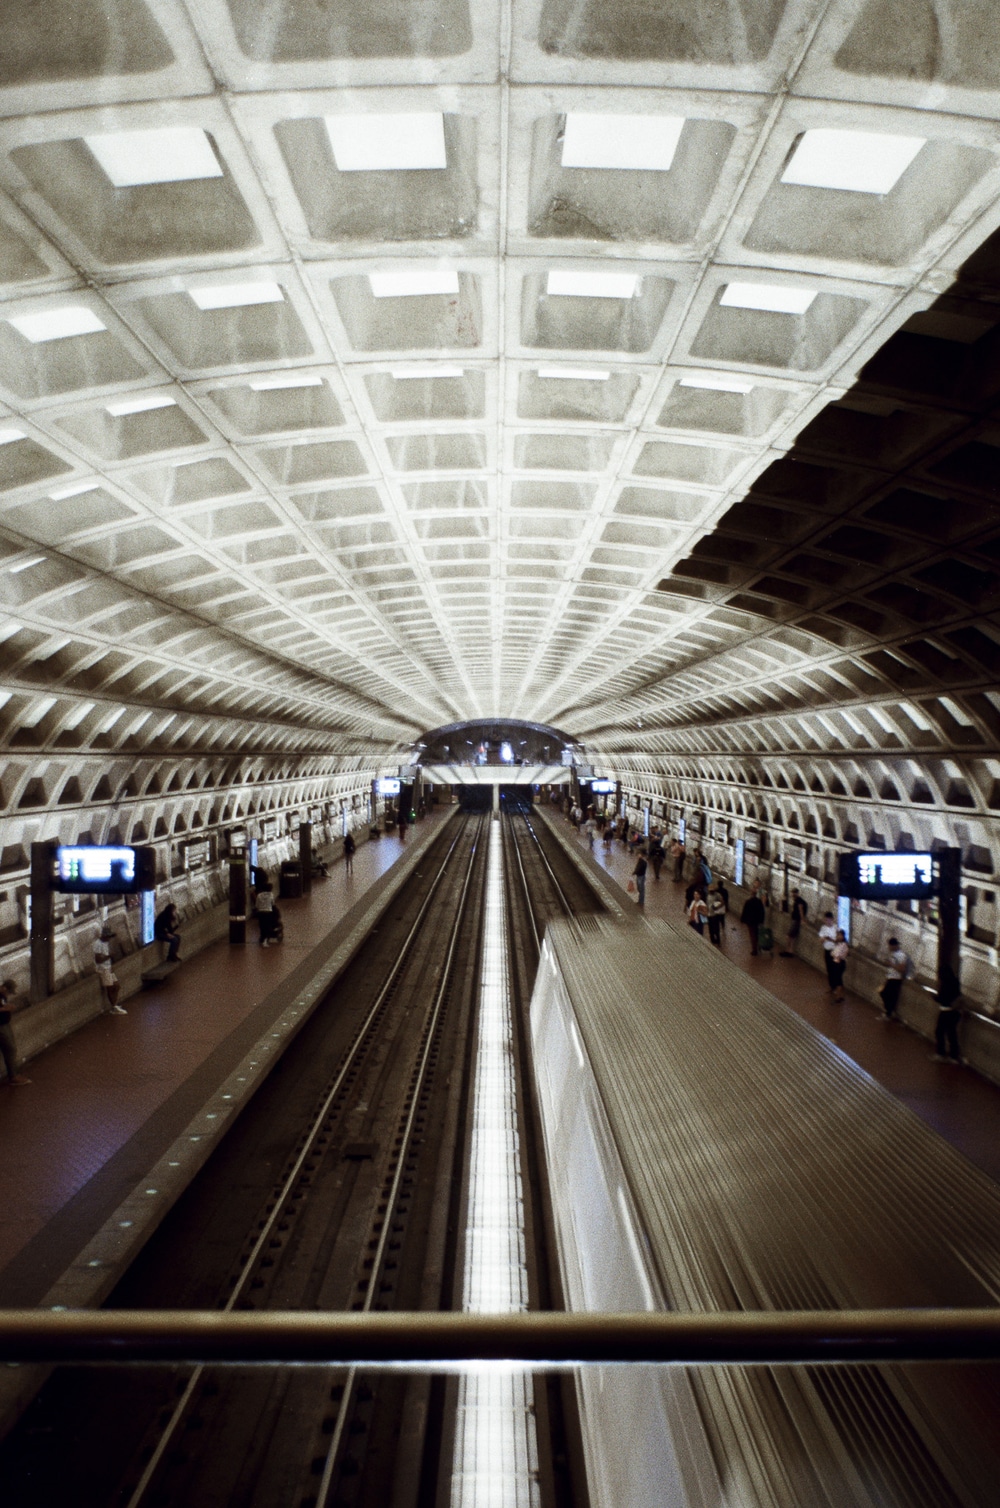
111,1093
959,1104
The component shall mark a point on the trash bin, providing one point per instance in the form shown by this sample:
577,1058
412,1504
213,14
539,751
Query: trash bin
290,884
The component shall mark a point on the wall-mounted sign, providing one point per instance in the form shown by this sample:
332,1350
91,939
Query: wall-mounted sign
795,856
268,829
197,853
388,786
603,787
882,875
751,840
237,837
694,822
315,814
104,869
720,830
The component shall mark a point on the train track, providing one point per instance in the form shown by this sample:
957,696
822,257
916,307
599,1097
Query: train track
342,1187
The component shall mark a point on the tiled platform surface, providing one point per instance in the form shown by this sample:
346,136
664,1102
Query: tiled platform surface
958,1103
105,1103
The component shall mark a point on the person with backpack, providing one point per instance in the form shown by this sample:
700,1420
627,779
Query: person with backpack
897,968
716,915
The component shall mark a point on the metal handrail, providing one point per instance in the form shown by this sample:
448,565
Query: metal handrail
538,1339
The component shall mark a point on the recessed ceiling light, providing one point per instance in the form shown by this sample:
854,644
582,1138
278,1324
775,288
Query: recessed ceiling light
403,374
25,565
8,435
141,404
621,141
865,162
237,295
287,379
387,143
592,284
74,489
422,280
718,384
577,374
57,324
775,298
168,154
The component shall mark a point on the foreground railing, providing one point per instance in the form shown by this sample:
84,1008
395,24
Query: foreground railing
538,1340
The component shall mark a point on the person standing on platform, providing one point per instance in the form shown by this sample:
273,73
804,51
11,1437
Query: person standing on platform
656,855
716,916
949,999
350,848
8,1047
639,875
265,914
752,916
401,824
697,913
839,954
107,978
677,854
828,937
166,929
897,968
799,910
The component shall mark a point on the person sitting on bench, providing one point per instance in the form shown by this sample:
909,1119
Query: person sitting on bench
166,929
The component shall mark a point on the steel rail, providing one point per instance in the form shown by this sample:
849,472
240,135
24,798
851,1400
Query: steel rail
560,893
529,1338
391,1199
524,883
281,1199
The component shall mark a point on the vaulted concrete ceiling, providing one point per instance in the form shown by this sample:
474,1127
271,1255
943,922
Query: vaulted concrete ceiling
256,490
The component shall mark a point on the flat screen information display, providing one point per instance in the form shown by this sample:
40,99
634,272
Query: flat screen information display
104,869
387,786
882,876
603,787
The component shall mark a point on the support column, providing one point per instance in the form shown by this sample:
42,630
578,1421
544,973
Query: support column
42,929
949,861
496,801
238,892
305,855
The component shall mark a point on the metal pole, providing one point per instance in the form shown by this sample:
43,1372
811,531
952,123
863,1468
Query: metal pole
42,926
537,1338
949,861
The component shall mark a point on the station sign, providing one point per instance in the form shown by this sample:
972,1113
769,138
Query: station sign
104,869
795,856
237,839
603,787
751,840
268,829
720,830
886,875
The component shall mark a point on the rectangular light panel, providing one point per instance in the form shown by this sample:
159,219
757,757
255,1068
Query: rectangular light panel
592,284
775,298
168,154
717,384
237,295
412,284
621,141
57,324
8,435
73,489
865,162
143,403
574,374
288,379
387,143
403,374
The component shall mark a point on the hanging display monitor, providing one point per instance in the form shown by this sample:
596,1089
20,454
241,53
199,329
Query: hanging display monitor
104,869
387,786
603,787
883,876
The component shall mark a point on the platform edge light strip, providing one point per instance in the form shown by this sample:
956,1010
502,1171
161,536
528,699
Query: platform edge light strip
495,1460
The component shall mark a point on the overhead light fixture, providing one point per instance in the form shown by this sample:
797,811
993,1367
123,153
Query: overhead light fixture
865,162
387,143
423,280
403,374
592,284
621,141
717,384
774,298
25,565
237,295
575,374
168,154
285,380
143,403
8,435
57,324
73,489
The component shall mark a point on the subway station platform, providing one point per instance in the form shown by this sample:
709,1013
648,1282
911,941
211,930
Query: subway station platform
112,1101
958,1103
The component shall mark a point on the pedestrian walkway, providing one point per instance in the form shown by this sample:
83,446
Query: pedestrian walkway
959,1104
113,1091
